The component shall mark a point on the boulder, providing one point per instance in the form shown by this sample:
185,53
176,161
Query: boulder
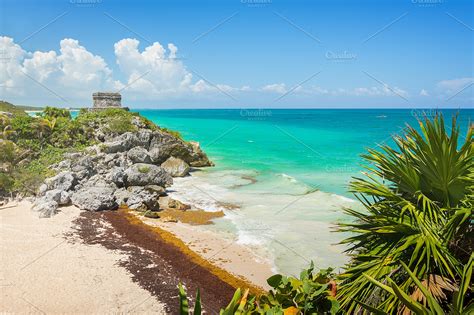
142,199
126,141
61,197
117,176
139,155
121,196
142,174
83,167
62,181
45,207
94,198
175,167
156,189
178,205
143,138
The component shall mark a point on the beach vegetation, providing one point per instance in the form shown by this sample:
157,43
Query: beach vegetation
311,293
418,200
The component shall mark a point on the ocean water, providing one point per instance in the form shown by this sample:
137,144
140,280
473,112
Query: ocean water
281,176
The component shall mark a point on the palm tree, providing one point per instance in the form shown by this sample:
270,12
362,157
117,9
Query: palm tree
418,201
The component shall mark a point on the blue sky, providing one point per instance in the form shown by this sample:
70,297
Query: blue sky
239,53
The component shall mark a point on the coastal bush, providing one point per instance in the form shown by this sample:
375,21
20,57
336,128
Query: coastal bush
174,133
425,297
418,200
311,293
30,175
54,112
115,120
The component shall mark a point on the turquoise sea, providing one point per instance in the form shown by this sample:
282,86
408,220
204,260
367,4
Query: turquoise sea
286,171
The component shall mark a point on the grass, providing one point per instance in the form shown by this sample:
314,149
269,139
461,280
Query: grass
143,169
10,108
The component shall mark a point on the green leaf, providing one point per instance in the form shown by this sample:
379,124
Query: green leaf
183,301
197,306
275,280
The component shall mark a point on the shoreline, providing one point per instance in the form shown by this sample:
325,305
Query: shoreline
150,257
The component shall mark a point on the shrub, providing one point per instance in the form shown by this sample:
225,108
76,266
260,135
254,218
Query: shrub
311,293
418,205
54,112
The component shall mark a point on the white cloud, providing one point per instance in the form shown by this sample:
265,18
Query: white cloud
378,91
152,73
454,85
424,92
74,72
275,88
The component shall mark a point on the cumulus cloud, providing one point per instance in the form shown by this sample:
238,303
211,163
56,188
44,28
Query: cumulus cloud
275,88
424,92
379,91
454,85
73,72
151,73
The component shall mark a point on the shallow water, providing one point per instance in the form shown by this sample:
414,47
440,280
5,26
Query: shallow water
286,170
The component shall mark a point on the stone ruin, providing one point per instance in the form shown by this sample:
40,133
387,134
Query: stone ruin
103,100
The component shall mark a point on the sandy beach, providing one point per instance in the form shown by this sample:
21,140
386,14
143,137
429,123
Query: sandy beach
86,262
45,268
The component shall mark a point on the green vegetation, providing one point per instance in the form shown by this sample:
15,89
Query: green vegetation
312,293
30,145
10,108
411,249
143,169
418,201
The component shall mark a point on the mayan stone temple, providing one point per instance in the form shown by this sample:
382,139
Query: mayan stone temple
104,100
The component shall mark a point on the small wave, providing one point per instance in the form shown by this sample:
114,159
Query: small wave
343,198
288,177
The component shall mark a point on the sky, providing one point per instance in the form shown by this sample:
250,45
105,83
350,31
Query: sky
239,53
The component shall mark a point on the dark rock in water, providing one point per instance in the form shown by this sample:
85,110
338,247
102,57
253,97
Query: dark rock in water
62,181
95,198
176,167
139,155
142,174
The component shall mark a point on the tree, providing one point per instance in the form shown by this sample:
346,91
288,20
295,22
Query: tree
418,201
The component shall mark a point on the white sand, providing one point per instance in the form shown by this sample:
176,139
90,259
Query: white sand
42,272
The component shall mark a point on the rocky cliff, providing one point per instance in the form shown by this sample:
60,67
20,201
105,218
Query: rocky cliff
131,169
